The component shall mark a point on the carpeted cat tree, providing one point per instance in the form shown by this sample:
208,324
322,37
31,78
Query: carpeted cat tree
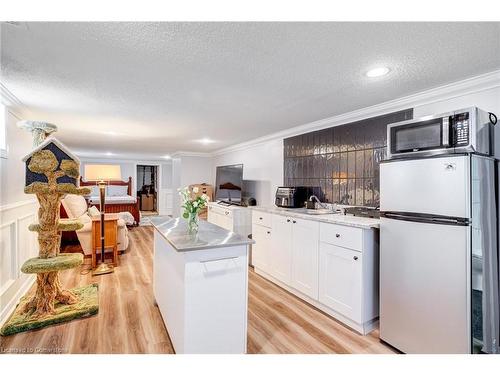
52,171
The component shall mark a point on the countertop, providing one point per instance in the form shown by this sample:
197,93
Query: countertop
349,220
209,235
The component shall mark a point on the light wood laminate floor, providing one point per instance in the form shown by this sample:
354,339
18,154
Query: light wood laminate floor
129,322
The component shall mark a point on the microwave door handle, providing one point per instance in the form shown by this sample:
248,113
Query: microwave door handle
446,132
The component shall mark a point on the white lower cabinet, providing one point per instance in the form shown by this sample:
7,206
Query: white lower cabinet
340,277
222,219
262,237
281,248
334,267
305,236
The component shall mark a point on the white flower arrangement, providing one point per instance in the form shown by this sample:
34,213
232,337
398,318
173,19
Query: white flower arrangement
192,205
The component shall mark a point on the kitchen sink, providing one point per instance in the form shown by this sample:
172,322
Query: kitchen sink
310,211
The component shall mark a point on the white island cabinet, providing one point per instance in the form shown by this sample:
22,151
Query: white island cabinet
330,261
201,286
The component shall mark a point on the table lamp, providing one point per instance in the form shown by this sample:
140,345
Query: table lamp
101,173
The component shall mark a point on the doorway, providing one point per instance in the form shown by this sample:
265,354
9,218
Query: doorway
147,189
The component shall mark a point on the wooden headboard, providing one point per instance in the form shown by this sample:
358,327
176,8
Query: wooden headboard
118,183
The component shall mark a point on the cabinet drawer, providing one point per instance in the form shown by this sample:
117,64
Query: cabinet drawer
262,218
341,235
220,211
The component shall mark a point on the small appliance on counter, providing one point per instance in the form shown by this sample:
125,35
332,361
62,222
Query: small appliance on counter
295,196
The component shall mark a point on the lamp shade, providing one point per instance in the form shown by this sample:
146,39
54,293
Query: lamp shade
102,172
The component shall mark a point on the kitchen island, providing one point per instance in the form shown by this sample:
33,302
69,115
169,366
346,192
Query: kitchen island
201,286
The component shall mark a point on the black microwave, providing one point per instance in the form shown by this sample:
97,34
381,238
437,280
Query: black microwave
466,130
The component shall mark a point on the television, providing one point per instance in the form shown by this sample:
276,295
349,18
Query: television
229,183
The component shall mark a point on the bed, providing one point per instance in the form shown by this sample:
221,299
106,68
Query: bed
119,199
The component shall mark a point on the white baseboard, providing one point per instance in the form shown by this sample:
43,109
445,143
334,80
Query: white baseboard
11,305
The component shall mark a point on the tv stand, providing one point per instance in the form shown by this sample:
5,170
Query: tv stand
229,203
237,219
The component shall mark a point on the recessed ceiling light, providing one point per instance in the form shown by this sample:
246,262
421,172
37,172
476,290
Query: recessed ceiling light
377,72
205,141
109,153
167,157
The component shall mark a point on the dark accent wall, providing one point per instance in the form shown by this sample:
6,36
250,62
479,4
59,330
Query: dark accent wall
343,160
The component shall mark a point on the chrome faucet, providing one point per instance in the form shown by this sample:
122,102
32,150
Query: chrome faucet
345,199
317,200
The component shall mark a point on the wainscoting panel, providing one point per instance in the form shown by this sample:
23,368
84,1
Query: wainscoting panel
342,160
8,255
17,244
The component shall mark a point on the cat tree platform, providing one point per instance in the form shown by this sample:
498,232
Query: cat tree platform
57,263
87,305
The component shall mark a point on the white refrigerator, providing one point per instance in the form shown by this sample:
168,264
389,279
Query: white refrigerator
439,254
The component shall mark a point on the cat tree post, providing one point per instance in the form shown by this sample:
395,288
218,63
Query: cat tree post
51,173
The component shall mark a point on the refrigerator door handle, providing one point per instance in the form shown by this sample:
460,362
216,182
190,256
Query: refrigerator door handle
426,218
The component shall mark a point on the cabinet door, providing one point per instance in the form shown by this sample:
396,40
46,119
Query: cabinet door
305,247
261,248
340,280
212,216
226,222
281,249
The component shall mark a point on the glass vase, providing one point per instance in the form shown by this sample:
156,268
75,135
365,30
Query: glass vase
193,223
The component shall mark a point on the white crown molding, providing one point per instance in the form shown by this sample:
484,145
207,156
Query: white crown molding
192,154
84,155
14,105
125,160
464,87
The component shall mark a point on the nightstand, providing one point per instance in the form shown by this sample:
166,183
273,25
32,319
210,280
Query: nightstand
110,236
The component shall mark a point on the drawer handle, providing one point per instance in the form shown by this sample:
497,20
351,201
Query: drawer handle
268,232
287,220
260,218
217,260
337,235
227,213
294,221
355,257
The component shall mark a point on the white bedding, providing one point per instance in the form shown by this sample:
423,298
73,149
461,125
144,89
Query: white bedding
123,199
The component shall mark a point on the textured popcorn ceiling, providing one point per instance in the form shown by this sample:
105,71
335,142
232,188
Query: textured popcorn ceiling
152,88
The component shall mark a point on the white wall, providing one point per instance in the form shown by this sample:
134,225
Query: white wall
263,161
12,169
196,170
488,100
17,211
262,168
166,175
128,169
188,170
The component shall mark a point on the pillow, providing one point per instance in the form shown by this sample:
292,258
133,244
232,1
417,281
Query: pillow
93,211
116,191
94,191
76,204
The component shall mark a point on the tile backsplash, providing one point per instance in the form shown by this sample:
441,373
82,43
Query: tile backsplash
342,160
